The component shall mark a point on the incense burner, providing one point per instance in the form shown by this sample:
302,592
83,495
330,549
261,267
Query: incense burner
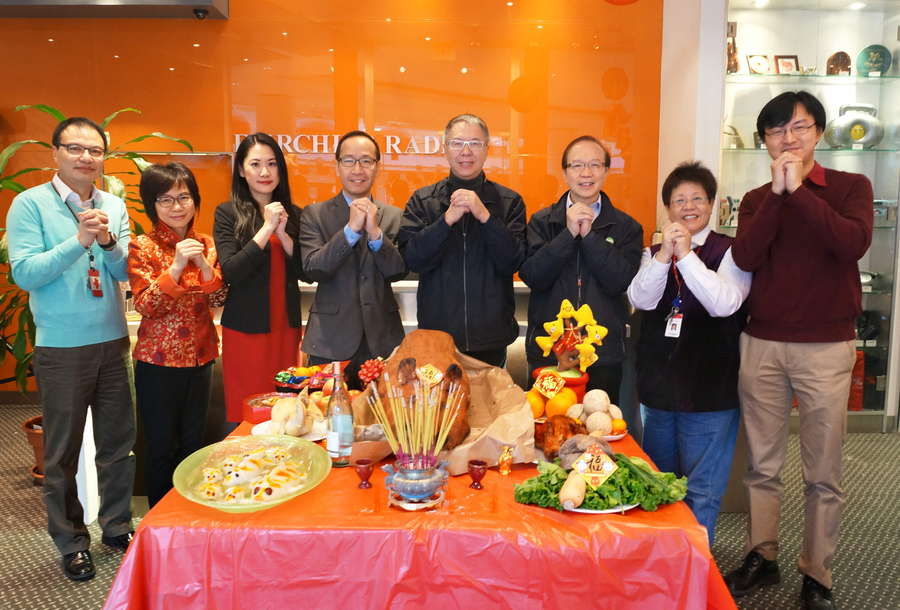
416,484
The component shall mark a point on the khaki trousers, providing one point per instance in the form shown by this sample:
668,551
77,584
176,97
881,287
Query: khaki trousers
819,374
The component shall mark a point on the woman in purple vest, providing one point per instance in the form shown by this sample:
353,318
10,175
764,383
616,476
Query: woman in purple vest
688,353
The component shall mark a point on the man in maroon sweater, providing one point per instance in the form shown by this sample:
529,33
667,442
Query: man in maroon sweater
801,235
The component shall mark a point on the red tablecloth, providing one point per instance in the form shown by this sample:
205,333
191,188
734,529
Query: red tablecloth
337,546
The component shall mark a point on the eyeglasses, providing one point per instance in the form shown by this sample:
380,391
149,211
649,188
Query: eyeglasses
460,144
76,150
166,201
697,201
365,162
594,166
797,130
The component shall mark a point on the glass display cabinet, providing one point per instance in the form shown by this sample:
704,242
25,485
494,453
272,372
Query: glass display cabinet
849,60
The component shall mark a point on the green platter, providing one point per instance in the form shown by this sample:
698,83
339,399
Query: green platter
313,459
874,58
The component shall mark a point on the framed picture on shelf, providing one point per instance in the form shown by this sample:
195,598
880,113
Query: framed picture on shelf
787,64
758,64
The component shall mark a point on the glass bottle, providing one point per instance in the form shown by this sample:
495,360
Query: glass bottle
339,419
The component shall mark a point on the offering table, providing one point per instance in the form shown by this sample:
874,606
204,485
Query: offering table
338,546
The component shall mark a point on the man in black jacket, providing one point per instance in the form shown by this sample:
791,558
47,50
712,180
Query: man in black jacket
465,237
583,249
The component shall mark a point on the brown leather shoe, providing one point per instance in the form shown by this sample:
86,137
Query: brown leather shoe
755,572
78,565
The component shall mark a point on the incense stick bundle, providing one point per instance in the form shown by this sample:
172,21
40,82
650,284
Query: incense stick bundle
421,424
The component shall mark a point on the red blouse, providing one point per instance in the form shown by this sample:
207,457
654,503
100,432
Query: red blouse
177,327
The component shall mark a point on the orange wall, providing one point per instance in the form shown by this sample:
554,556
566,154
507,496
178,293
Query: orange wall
539,72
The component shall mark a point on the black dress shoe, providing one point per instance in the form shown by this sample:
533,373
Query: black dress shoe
78,565
754,572
815,595
119,542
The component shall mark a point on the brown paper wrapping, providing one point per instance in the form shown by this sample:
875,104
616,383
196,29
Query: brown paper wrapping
499,415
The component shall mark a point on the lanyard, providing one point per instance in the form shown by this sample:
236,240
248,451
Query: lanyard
676,302
89,251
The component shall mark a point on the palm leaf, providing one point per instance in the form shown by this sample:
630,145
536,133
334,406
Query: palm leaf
56,114
10,150
113,115
157,134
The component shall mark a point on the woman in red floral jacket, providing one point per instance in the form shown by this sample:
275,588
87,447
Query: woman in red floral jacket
175,280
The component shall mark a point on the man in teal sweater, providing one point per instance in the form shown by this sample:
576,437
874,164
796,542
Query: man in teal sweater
68,247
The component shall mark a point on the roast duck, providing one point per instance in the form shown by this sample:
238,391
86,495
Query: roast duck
554,433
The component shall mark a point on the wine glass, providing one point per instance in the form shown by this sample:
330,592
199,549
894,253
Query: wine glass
364,469
477,469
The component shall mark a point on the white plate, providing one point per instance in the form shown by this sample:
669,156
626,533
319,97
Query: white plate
269,427
614,509
614,437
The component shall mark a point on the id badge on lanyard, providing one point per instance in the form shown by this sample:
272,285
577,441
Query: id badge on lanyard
93,279
675,319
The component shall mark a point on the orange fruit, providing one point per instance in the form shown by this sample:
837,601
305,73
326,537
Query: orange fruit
329,387
537,402
559,404
302,371
619,426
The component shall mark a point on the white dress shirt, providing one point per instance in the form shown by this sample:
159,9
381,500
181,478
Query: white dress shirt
721,292
71,197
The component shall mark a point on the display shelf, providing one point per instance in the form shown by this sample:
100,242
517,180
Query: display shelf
827,29
848,151
803,79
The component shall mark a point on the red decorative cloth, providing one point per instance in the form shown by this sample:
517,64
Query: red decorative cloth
250,361
177,327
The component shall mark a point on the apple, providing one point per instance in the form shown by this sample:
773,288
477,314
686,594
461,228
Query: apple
329,387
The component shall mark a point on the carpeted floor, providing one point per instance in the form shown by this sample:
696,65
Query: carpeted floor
866,570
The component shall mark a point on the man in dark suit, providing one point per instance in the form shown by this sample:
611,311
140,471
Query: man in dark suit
349,246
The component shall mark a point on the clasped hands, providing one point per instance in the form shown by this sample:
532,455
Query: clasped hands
364,214
676,240
787,173
93,225
579,219
462,201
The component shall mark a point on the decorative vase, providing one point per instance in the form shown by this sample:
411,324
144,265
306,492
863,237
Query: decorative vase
36,440
415,484
576,384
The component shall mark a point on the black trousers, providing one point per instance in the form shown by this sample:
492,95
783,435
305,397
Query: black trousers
351,372
494,357
172,403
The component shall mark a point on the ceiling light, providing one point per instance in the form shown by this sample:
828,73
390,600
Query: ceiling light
196,44
171,69
50,40
540,27
284,33
856,6
427,38
332,68
388,18
464,70
116,56
402,69
331,50
509,4
245,59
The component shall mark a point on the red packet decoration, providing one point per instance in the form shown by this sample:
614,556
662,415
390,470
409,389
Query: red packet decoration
430,375
572,337
595,466
549,384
